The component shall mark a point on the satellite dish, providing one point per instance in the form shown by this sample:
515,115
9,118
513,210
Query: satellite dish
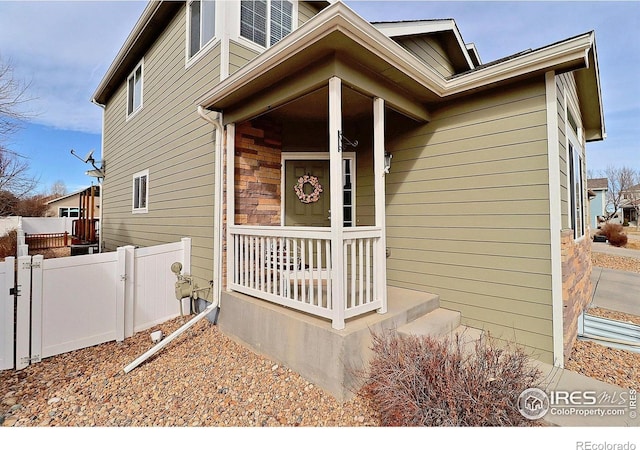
88,157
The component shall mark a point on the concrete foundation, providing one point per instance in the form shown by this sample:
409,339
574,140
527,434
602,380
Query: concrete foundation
331,359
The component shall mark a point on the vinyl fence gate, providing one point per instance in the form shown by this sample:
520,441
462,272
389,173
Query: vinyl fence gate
53,306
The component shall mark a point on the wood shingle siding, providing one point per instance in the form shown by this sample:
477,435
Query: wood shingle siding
468,212
167,137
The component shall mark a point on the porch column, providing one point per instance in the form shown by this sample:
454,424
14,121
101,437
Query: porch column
335,170
380,252
231,199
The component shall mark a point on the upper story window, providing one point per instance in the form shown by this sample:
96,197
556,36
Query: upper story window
265,19
141,192
202,24
134,89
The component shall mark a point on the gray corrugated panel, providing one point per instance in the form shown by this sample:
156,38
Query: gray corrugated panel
609,332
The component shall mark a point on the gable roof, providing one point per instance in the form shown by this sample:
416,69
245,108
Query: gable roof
87,190
372,46
457,50
598,184
338,29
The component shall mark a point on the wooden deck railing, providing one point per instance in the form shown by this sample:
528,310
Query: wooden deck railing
46,240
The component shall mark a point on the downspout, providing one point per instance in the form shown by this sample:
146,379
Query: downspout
217,212
93,100
217,246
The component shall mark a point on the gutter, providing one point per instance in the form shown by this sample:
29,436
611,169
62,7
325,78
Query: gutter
571,54
217,247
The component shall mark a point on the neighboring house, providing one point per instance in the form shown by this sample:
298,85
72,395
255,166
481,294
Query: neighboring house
70,205
630,205
598,188
238,129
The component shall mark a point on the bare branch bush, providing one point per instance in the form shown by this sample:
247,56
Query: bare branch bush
424,381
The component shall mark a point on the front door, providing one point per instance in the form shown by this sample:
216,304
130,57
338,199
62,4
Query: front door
301,206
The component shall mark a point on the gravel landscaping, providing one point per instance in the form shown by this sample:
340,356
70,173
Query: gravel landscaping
204,379
200,379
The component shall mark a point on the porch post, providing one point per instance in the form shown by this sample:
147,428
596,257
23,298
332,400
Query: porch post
380,252
231,199
335,170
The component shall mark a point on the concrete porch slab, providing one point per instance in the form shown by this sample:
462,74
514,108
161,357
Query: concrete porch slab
329,358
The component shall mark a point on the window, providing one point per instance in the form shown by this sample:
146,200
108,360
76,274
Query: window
202,24
68,212
141,192
575,175
260,19
134,90
348,192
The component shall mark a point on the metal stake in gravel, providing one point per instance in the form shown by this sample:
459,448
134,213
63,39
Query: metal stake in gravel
163,343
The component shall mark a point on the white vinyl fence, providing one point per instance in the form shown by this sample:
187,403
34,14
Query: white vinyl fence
7,280
36,225
65,304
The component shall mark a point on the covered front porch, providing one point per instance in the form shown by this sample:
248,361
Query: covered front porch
306,126
305,188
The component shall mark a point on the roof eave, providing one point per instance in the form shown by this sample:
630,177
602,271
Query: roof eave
569,55
591,108
337,17
134,46
564,56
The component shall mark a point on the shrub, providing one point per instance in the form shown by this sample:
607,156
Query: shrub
422,381
618,239
9,244
614,234
609,229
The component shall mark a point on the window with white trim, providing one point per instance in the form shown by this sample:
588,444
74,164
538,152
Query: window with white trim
64,211
576,179
202,24
134,89
262,19
141,192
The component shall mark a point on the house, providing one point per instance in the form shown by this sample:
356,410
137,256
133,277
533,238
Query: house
323,164
631,205
70,205
598,188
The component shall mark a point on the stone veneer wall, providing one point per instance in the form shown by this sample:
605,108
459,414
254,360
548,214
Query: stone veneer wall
576,284
257,178
257,172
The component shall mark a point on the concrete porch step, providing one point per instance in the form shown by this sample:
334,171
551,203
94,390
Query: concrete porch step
438,322
468,337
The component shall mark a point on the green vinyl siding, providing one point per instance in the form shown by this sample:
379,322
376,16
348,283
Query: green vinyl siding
468,212
306,10
168,138
239,56
430,50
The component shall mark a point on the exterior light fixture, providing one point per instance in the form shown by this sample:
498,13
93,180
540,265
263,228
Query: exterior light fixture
387,161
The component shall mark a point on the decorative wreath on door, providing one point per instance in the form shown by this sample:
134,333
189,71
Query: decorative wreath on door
314,196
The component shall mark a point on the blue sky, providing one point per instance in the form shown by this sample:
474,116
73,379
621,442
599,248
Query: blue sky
64,48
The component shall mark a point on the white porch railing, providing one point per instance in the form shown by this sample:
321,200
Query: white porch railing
291,266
